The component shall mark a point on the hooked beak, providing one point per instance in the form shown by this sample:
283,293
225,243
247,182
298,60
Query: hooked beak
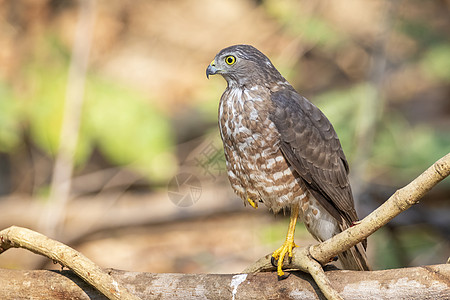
211,70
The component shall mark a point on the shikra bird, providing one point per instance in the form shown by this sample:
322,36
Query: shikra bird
281,150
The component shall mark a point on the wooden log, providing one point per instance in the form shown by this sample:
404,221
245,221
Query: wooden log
427,282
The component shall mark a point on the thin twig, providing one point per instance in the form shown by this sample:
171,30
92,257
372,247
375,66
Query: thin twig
63,169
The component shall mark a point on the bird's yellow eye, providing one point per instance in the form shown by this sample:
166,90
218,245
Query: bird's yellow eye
230,59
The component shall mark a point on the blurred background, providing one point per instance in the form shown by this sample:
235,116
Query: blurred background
108,125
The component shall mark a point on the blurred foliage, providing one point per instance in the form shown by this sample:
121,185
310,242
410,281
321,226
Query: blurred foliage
406,150
436,62
128,130
311,28
124,126
46,78
275,232
424,143
10,130
321,51
401,247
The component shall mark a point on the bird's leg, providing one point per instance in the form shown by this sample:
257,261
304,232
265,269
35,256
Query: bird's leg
279,254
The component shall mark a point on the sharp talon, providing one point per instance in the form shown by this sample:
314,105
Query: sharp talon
274,261
284,276
280,254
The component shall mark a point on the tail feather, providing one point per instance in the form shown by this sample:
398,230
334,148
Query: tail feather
354,258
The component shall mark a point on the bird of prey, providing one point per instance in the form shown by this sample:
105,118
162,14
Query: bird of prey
281,150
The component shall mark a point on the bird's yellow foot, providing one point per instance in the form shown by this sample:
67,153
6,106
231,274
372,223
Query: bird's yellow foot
252,203
279,255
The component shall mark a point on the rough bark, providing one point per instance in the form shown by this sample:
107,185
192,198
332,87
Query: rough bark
428,282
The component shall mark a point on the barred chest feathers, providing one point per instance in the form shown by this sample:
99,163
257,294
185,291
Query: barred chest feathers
256,167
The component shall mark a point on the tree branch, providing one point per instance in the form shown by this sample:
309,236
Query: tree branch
400,201
35,242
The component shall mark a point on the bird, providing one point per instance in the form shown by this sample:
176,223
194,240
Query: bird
282,151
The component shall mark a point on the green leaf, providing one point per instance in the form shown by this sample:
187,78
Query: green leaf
436,62
129,130
45,106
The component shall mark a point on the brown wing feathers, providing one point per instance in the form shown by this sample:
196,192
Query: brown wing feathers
311,145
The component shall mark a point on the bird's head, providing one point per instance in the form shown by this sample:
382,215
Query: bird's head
243,65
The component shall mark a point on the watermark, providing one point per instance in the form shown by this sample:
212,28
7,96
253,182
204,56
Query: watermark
184,189
206,161
211,160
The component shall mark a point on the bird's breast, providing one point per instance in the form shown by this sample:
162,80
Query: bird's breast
256,166
244,122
